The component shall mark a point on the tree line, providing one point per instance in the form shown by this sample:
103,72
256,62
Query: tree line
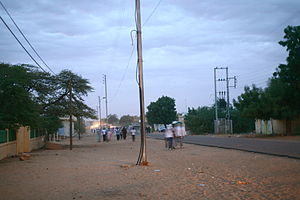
124,120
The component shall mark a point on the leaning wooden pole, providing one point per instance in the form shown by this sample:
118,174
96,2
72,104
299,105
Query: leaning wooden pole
142,158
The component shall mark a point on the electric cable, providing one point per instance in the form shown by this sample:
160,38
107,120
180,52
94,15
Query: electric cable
122,79
25,37
153,11
22,45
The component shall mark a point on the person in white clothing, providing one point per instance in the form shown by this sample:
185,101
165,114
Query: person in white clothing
133,131
169,136
179,133
103,133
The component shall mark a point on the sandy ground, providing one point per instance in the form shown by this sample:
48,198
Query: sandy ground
107,171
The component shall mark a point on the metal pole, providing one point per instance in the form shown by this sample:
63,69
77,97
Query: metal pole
216,103
227,106
142,160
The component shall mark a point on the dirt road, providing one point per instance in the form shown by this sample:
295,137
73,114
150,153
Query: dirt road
106,171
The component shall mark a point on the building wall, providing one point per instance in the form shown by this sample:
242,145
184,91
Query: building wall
65,130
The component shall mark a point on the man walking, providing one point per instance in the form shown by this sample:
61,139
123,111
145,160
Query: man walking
133,131
124,132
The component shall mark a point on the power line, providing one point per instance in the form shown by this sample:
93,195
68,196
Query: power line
22,45
122,79
25,38
153,11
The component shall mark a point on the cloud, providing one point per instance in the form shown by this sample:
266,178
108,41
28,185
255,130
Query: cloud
182,42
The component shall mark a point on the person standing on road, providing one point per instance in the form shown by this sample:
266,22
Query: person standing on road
169,137
124,132
133,131
109,134
180,133
98,134
117,132
104,133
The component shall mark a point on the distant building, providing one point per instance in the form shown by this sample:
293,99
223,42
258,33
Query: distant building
65,130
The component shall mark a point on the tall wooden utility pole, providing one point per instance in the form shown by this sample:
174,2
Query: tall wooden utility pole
78,127
70,113
142,159
99,99
105,84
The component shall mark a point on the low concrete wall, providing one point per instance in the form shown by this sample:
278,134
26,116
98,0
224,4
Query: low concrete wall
8,149
23,143
278,127
37,143
295,127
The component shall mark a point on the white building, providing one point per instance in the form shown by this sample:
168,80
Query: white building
65,130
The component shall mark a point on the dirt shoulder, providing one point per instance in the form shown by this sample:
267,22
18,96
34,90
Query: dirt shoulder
107,171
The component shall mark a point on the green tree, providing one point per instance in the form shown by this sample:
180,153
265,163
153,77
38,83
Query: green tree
285,85
79,125
125,120
29,97
70,84
200,120
113,119
162,111
254,103
240,123
20,91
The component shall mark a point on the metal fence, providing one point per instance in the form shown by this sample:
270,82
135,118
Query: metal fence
7,136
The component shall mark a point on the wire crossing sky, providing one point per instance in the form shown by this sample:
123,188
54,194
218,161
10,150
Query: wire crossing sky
182,42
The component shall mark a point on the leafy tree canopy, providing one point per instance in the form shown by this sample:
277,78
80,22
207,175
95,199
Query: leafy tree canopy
19,92
200,120
285,85
254,103
113,119
162,111
29,97
126,120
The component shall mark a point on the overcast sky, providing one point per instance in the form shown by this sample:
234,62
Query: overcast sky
183,40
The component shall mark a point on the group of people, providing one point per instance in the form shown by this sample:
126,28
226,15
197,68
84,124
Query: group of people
119,132
174,134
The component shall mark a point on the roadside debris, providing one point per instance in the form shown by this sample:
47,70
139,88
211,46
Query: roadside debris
125,166
242,182
24,156
54,146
